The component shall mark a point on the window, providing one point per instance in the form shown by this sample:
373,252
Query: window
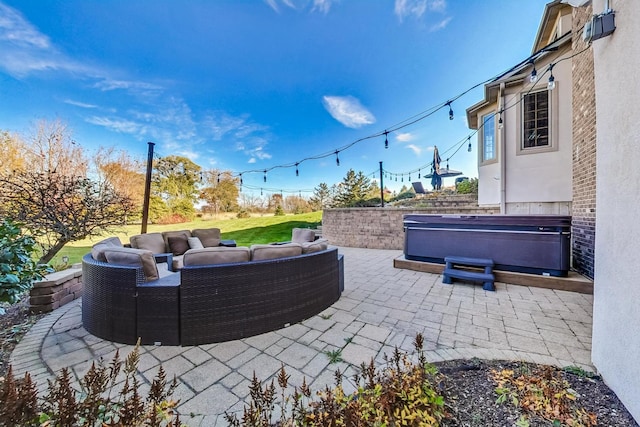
489,137
535,120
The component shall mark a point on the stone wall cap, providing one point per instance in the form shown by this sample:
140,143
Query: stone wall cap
58,277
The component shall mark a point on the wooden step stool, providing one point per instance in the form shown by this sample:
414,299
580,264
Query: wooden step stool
474,276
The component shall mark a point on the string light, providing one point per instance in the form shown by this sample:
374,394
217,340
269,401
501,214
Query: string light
297,172
261,191
533,77
218,178
450,110
500,119
337,158
447,163
240,179
469,148
429,112
265,176
386,141
418,173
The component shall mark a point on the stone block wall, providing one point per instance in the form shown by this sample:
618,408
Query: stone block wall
583,228
56,290
382,228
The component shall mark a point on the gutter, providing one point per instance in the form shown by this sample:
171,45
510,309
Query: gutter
503,154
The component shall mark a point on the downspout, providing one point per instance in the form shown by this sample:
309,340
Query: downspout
503,154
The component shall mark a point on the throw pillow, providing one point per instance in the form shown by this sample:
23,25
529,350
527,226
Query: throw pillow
178,244
195,243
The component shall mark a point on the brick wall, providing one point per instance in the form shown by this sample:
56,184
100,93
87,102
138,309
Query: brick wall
584,149
382,228
56,290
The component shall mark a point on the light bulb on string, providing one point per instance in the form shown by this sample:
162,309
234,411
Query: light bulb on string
402,178
533,77
265,176
500,122
337,158
386,140
552,80
450,110
261,191
418,173
447,164
469,147
218,178
240,179
297,172
396,178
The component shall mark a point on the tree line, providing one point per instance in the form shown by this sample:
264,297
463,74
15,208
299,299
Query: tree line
59,193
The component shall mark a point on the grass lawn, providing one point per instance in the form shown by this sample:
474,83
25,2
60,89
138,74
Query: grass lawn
244,231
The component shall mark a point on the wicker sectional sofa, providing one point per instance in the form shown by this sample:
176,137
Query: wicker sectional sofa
220,293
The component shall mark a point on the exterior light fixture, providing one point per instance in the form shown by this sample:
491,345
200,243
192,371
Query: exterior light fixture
552,81
450,110
337,158
386,141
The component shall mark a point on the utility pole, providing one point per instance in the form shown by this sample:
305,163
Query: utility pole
381,187
147,190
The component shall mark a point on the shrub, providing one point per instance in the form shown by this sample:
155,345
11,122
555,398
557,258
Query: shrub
279,211
18,270
401,393
93,404
469,186
243,213
172,219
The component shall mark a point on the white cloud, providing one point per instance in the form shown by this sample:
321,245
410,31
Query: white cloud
348,111
18,31
79,104
417,150
322,6
404,8
438,5
404,137
440,25
417,8
252,160
117,125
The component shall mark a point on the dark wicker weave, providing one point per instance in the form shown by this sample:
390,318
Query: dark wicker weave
232,301
109,300
159,311
206,304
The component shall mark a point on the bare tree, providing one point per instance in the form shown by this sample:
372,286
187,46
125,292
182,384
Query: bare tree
58,209
221,191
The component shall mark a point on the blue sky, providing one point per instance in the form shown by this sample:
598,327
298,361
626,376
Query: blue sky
251,85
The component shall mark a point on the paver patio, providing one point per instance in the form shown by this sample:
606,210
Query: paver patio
381,308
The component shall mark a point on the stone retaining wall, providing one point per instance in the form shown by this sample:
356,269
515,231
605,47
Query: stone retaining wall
381,228
56,290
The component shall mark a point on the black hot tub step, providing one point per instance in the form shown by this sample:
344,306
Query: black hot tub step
486,277
461,260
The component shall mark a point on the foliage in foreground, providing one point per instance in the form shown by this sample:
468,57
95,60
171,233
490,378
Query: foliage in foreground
401,393
542,392
17,269
95,404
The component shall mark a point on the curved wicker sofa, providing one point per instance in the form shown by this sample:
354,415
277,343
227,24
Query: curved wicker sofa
208,304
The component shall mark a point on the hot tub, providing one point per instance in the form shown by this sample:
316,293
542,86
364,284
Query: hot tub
538,244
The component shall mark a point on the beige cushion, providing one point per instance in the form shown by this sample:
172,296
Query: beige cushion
217,255
259,252
195,243
301,235
210,237
177,262
153,242
135,258
317,246
97,250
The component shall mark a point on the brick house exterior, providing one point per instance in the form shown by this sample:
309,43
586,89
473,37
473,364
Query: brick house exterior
584,148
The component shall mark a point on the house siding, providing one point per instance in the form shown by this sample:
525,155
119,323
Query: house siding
583,224
616,341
